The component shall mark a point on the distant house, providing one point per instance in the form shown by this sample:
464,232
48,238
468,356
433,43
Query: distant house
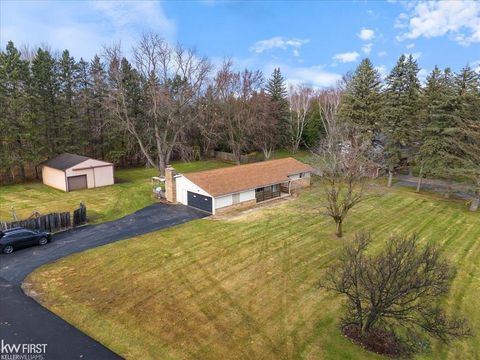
237,186
69,172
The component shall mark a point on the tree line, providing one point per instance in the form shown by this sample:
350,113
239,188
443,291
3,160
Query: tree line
169,102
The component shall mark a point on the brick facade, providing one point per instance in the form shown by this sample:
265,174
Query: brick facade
299,184
170,185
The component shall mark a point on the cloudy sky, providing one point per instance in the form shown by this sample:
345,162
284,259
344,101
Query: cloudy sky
312,42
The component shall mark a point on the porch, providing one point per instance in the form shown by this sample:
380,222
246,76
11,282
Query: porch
272,191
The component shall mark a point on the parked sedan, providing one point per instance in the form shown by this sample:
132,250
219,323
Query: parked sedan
17,238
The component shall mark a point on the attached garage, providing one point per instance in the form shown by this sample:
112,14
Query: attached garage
198,201
70,172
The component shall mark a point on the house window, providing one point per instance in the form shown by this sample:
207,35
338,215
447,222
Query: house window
236,198
301,175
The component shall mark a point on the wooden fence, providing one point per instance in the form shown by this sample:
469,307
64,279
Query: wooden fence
52,222
229,157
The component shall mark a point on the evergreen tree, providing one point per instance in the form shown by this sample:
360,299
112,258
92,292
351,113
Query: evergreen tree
276,89
45,90
314,130
465,144
436,121
71,125
400,118
83,108
18,135
361,103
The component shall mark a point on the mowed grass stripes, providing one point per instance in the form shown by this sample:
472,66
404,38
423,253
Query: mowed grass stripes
247,288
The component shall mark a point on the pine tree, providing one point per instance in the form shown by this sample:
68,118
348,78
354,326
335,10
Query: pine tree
465,144
436,121
70,139
276,89
18,137
361,104
83,102
45,89
400,118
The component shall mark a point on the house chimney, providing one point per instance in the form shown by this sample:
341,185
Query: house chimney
170,184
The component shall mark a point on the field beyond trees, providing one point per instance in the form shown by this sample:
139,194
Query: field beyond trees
247,287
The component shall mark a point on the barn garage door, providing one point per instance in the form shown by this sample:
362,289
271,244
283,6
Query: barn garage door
77,182
199,201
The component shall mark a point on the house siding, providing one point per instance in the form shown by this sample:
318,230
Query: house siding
54,178
227,200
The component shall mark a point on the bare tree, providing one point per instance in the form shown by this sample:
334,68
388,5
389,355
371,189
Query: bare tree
300,98
342,159
172,80
394,290
235,91
210,121
266,123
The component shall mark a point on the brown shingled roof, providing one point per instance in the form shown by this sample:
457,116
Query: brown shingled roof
245,177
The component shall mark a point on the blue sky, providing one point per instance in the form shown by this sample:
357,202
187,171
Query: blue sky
312,42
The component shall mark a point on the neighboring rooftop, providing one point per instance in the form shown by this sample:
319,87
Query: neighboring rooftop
65,161
245,177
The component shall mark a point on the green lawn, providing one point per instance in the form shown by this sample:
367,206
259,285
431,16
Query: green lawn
246,288
131,192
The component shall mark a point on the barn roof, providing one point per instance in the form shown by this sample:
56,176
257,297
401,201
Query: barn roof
245,177
65,161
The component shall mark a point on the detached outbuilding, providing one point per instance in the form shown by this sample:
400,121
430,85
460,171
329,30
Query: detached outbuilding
69,172
237,186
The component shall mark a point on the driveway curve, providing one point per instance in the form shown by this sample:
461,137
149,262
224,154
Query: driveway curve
24,321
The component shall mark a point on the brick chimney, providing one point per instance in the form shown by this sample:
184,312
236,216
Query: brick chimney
170,184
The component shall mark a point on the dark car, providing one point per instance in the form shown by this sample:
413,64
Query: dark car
17,238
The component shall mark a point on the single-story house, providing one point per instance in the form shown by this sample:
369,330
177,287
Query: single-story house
241,185
69,172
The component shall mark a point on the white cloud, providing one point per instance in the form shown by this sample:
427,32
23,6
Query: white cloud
347,57
367,48
316,76
83,27
382,70
366,34
476,66
410,46
296,52
415,55
382,53
422,75
459,19
278,42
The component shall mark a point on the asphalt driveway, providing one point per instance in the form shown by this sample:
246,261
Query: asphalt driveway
23,320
